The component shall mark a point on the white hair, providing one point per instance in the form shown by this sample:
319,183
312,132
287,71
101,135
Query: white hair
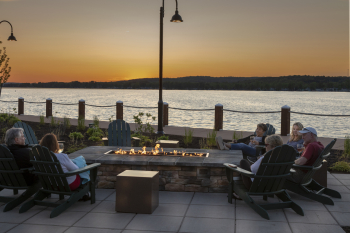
11,134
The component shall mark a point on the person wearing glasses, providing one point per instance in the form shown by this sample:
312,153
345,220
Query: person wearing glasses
15,142
313,149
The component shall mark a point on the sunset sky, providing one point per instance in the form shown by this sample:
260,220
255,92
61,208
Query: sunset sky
111,40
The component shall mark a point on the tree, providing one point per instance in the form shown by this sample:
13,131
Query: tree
4,68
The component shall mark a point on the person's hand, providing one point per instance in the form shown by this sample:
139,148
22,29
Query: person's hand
234,141
255,142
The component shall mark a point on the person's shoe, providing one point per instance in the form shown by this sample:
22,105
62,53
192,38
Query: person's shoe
220,143
86,197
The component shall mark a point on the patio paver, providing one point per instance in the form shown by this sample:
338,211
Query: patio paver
105,220
262,227
155,223
28,228
315,228
207,225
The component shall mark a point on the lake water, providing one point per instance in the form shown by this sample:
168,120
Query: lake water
332,103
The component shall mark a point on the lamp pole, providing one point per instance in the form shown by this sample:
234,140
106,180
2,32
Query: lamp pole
176,18
11,38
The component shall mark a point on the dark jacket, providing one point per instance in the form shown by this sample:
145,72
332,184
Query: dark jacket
21,155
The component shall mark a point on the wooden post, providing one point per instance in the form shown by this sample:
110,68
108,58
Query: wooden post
20,106
285,120
81,109
120,110
48,107
165,114
219,116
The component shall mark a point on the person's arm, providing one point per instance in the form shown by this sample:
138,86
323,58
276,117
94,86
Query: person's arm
301,161
68,163
305,156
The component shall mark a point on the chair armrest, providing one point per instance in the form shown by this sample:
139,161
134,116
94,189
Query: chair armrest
301,167
81,170
30,169
241,171
244,140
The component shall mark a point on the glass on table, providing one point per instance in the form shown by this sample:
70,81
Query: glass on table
60,147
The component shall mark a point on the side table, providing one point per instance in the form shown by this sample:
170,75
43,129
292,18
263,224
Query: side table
137,191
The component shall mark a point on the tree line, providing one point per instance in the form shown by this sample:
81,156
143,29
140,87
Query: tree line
285,83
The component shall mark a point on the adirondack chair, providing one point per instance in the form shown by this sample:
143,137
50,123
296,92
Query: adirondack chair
28,132
119,133
269,180
259,149
53,179
308,187
11,177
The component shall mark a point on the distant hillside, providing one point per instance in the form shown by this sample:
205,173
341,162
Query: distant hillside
291,83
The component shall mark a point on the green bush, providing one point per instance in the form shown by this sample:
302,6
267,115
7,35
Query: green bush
75,148
144,127
341,166
163,137
81,124
75,136
95,133
211,138
346,152
96,121
8,119
42,119
188,137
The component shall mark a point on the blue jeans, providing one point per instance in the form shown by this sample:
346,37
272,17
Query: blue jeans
250,151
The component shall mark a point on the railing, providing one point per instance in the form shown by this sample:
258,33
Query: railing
285,112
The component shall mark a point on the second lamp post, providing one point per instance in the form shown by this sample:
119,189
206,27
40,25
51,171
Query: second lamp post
176,18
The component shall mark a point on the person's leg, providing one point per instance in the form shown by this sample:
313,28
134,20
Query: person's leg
250,151
75,184
244,164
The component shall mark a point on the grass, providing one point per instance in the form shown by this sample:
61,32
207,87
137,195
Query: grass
188,137
346,153
211,138
66,122
81,124
42,119
237,135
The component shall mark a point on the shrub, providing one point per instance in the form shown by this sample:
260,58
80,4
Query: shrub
188,137
75,148
341,166
211,138
95,133
96,121
75,136
163,137
144,127
42,119
237,135
346,152
81,124
66,122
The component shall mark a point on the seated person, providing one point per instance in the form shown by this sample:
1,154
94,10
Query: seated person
271,142
50,142
313,149
249,149
15,142
295,138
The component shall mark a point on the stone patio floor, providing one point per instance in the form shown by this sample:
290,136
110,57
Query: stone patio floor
184,212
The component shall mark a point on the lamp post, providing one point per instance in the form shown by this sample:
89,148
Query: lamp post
176,19
11,38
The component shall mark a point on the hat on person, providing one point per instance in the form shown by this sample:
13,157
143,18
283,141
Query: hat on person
308,130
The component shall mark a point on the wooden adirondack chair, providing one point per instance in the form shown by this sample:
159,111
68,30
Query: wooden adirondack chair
119,133
53,179
308,187
269,180
259,149
11,177
28,132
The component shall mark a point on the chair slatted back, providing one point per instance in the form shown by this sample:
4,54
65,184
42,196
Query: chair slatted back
10,174
28,132
273,170
48,168
318,163
119,133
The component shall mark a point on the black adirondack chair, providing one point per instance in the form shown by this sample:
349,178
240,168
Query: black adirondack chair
28,132
259,149
269,179
11,177
53,179
119,133
308,187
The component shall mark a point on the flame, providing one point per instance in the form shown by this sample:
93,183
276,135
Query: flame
175,152
143,150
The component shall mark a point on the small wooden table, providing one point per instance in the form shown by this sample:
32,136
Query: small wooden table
137,191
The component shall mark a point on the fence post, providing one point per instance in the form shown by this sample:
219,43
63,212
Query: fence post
165,113
81,109
20,106
48,107
219,116
285,120
120,110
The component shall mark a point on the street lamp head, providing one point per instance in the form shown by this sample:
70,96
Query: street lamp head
12,38
176,18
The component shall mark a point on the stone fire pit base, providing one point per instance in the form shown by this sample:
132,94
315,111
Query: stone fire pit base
171,178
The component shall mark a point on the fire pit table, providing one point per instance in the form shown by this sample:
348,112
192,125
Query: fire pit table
186,170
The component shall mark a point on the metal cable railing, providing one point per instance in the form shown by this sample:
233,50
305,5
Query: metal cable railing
192,109
251,112
137,107
313,114
63,103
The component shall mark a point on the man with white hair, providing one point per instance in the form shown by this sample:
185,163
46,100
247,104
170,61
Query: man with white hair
15,141
313,149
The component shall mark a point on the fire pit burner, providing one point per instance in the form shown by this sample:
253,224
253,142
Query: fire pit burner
156,152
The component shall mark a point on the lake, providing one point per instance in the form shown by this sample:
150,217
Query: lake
332,103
